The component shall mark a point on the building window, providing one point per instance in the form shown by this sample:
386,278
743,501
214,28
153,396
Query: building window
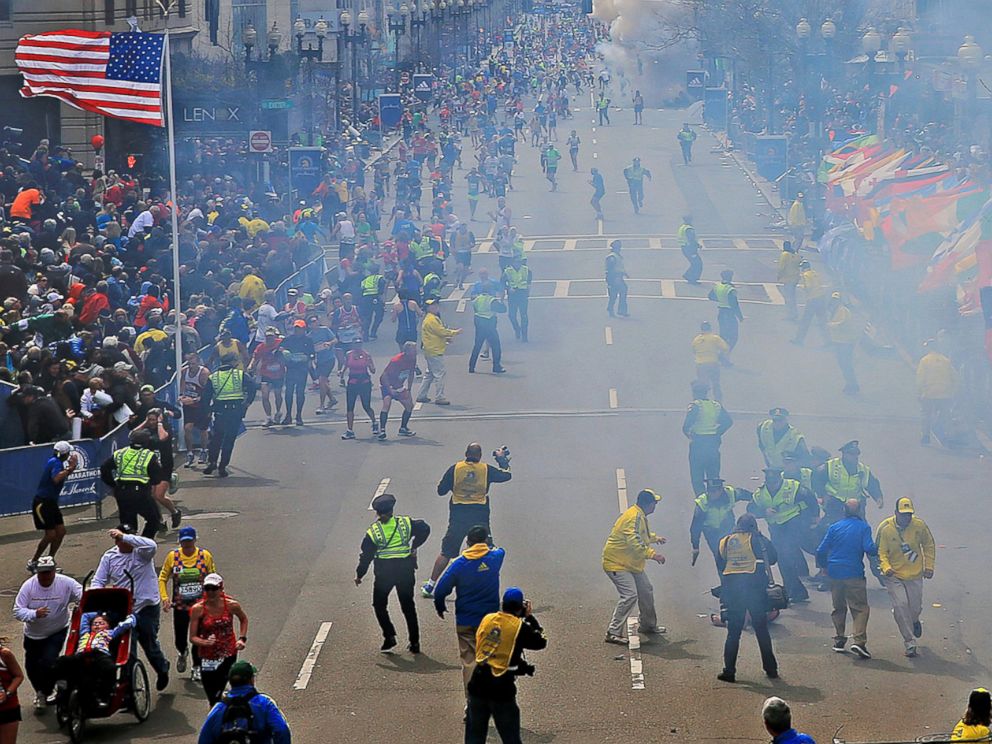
108,12
5,9
130,8
249,11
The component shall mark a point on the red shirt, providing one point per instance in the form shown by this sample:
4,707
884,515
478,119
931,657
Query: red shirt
398,371
269,361
357,361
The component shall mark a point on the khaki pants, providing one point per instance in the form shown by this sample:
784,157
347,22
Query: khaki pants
466,650
435,374
850,594
907,604
634,589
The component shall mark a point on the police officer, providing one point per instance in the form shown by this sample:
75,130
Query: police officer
433,284
845,477
516,280
485,306
228,393
635,174
704,424
729,315
371,307
616,281
844,331
392,542
686,138
743,559
777,437
500,643
131,472
468,483
713,516
780,502
690,249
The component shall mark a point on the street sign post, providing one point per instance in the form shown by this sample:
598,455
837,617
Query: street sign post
275,104
260,140
423,86
695,84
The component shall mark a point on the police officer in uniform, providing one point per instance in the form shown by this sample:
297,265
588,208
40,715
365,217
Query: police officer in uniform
845,477
616,281
228,393
131,472
690,249
500,643
743,560
432,286
485,306
713,516
704,425
686,138
371,307
729,315
516,279
777,438
786,505
468,483
392,542
635,174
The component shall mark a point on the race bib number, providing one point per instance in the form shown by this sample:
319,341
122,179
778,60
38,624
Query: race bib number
190,591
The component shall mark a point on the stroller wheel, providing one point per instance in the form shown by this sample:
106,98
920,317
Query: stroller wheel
76,717
141,696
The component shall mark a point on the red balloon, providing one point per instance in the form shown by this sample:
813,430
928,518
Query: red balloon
97,141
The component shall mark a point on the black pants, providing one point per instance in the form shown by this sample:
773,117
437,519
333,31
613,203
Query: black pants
398,573
134,502
180,627
94,670
695,269
504,713
815,310
40,656
371,310
517,301
704,460
296,387
485,330
227,422
787,539
729,325
686,152
616,290
738,607
636,189
215,680
844,354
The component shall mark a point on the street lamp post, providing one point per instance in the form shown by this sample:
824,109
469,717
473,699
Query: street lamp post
970,56
901,43
828,30
312,57
418,19
437,15
871,44
397,26
353,39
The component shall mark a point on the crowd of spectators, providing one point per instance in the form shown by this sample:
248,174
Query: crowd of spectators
87,284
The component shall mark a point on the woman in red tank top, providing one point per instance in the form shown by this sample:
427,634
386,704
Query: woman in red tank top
211,630
11,678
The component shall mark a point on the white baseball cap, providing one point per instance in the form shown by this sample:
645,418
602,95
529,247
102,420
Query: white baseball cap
213,579
63,448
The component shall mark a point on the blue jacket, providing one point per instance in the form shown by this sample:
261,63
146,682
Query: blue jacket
269,720
793,737
475,575
843,548
237,324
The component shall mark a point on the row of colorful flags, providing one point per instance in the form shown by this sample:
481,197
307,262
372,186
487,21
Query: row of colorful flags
922,211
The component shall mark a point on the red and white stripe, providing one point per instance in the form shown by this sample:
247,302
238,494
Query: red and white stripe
72,66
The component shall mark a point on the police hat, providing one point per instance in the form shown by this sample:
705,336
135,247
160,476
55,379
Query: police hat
851,447
383,503
779,411
140,438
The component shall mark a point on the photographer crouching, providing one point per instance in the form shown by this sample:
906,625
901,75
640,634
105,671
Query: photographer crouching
500,643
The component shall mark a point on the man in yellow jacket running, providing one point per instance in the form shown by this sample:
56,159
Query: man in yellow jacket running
936,383
627,549
906,555
434,337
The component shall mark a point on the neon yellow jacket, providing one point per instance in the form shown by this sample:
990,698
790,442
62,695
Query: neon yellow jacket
629,543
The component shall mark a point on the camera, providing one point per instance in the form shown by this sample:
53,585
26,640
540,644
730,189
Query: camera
502,456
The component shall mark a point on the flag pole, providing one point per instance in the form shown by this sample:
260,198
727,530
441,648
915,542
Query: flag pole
166,53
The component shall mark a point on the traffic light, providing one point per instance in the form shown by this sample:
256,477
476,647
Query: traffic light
11,138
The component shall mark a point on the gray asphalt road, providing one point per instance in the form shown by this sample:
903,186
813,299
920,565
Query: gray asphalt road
590,398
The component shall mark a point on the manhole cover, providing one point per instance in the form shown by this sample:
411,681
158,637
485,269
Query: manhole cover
210,515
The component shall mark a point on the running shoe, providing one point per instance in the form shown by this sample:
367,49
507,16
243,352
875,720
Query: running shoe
181,661
406,432
349,434
177,517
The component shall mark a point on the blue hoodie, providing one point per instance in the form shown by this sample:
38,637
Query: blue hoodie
270,723
475,575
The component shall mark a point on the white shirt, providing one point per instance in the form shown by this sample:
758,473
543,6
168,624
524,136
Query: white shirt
142,222
346,230
57,598
266,319
140,563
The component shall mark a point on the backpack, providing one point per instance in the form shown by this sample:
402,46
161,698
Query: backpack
238,723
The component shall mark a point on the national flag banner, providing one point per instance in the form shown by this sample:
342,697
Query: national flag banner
112,74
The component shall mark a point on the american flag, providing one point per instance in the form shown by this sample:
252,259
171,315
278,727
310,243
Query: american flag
112,74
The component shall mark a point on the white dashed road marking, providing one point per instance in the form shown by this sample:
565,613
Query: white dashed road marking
609,336
306,671
774,294
613,398
379,490
561,287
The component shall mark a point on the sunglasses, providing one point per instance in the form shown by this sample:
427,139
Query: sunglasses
211,588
